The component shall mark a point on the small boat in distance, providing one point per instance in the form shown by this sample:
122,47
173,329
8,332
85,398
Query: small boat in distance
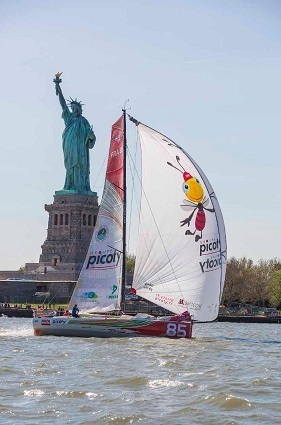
181,249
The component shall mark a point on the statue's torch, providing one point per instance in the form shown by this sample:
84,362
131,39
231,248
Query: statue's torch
57,80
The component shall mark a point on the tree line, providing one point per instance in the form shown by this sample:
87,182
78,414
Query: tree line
247,282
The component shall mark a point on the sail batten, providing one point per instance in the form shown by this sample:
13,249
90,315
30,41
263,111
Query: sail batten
181,251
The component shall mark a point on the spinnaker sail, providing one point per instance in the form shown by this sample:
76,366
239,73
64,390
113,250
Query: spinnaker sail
181,250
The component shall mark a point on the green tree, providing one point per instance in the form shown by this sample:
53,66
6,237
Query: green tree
263,275
130,263
274,289
239,278
249,282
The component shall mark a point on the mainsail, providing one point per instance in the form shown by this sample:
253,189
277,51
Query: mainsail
181,250
99,284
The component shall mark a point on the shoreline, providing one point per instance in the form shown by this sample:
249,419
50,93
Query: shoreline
249,319
16,312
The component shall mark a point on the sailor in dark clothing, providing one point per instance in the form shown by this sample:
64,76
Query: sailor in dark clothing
75,311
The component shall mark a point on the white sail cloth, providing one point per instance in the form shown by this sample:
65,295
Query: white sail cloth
181,251
99,284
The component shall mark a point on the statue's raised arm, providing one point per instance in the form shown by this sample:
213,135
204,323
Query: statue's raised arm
57,80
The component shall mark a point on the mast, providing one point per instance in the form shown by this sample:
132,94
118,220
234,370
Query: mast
124,212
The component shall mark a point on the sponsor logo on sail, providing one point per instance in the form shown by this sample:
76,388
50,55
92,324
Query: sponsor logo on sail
210,264
117,152
113,294
209,246
103,259
91,295
101,233
193,306
164,299
189,305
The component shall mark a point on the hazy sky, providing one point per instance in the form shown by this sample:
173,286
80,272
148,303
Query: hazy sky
205,73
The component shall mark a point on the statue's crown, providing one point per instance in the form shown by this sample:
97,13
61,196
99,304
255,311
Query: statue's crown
74,102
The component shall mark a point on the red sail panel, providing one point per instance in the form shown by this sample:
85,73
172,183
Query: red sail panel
115,164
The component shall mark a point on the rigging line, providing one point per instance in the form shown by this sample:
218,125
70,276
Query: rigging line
166,252
100,170
44,300
121,252
54,296
50,301
202,325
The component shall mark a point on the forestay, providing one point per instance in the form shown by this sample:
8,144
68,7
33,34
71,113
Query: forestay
98,287
181,251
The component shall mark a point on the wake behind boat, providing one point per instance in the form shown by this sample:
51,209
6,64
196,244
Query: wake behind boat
181,250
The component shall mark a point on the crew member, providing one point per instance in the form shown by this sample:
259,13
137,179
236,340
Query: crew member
75,311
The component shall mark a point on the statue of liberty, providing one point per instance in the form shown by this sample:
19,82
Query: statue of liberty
78,137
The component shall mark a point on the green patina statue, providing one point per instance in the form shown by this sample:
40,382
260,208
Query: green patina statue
78,137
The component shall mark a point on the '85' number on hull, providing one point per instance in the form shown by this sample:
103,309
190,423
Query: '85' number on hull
177,330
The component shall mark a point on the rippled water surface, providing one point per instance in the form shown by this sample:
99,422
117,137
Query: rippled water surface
228,374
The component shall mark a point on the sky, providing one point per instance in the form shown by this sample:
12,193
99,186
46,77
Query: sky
205,73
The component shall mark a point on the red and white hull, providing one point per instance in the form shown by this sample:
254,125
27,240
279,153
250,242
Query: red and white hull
110,326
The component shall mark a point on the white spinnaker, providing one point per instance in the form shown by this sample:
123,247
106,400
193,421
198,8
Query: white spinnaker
172,269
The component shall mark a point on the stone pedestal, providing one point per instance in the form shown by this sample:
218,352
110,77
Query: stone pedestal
72,218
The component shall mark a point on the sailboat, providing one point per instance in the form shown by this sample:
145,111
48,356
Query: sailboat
181,248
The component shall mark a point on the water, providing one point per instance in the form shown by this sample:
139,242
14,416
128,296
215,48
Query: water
228,374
